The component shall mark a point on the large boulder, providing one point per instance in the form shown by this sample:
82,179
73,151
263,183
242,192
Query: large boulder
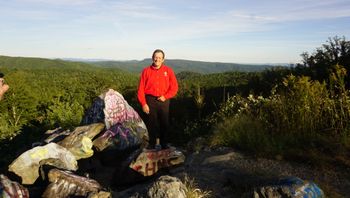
167,187
27,164
150,161
65,184
125,128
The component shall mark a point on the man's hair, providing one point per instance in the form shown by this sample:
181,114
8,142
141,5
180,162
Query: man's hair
157,51
1,75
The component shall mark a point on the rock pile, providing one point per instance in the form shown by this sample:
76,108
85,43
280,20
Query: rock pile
109,149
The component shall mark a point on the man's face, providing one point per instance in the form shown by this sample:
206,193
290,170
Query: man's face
1,81
158,59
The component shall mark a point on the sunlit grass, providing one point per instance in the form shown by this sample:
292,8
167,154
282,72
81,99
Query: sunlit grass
193,191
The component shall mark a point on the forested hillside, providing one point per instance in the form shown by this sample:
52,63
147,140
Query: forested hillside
39,63
48,93
45,94
295,113
184,65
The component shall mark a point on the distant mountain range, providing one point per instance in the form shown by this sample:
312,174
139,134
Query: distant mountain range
40,63
180,65
134,66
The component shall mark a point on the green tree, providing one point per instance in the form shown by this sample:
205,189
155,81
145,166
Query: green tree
319,64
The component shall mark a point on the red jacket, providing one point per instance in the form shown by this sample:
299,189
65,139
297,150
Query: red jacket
157,82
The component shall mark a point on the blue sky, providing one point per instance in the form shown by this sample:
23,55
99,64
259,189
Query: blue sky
240,31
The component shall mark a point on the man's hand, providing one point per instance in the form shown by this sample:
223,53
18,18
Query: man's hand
161,98
145,108
3,89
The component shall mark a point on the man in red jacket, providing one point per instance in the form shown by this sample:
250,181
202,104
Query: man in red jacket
157,85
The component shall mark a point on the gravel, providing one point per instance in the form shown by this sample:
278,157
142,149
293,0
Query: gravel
228,173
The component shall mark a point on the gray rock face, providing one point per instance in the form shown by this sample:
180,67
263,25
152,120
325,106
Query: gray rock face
226,172
289,187
167,187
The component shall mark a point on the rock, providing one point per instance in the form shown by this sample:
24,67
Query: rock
101,194
220,158
290,187
111,168
117,109
10,189
118,136
64,184
112,109
122,136
79,142
27,164
56,135
95,113
150,161
167,187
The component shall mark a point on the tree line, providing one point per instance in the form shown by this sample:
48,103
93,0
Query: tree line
45,94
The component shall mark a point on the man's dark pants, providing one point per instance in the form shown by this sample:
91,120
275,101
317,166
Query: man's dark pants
157,120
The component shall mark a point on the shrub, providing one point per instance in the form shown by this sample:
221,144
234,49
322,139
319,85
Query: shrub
65,114
305,114
243,132
7,129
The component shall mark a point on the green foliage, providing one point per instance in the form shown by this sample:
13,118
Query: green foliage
65,114
187,75
319,64
183,66
48,93
199,96
302,114
262,83
243,132
7,130
301,106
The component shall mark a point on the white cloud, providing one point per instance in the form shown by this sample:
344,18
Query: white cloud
111,28
136,10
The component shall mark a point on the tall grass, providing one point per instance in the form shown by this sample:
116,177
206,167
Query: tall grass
192,190
300,115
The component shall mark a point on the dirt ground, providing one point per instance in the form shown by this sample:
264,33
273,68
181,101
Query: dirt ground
228,173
